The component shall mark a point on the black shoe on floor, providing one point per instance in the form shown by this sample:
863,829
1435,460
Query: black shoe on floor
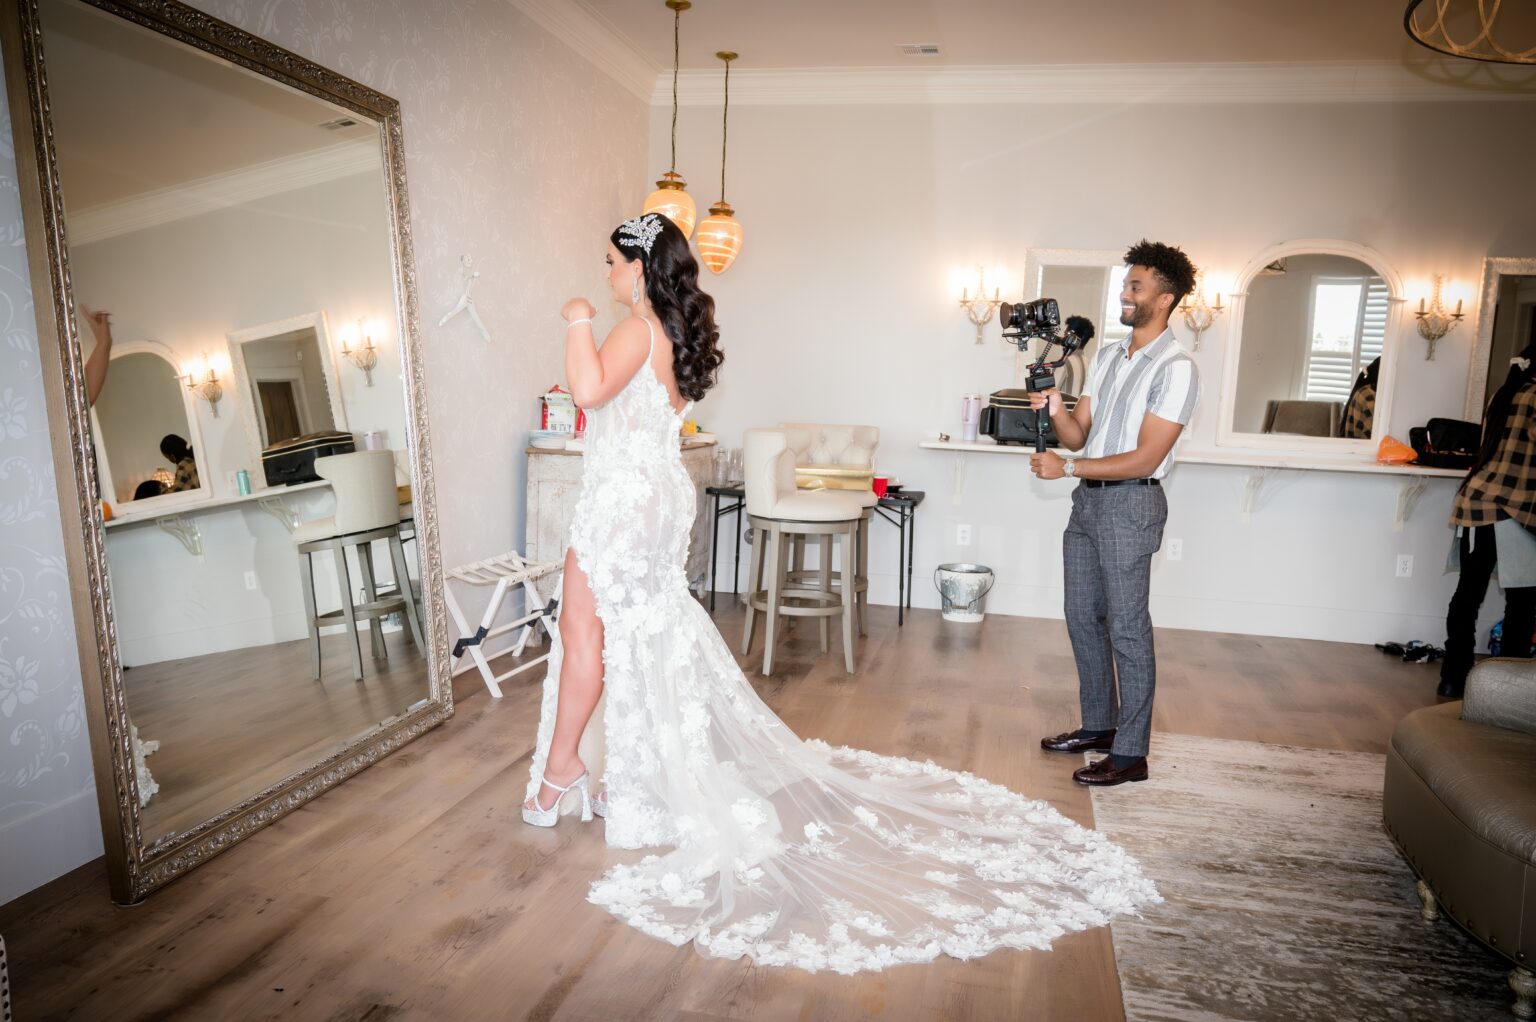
1077,741
1451,690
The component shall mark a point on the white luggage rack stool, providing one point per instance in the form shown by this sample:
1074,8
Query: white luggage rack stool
504,573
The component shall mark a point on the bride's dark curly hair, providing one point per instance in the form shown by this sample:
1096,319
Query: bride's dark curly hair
688,314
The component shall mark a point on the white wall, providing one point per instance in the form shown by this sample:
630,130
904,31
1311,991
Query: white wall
519,152
838,309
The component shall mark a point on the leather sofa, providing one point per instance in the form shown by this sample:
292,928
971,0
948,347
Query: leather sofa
1460,801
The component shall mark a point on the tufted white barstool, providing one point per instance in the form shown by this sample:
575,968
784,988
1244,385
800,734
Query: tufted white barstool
781,513
367,509
820,445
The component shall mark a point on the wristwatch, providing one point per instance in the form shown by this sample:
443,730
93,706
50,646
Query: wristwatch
1069,468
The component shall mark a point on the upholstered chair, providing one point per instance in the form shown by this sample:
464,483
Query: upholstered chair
780,513
829,455
367,509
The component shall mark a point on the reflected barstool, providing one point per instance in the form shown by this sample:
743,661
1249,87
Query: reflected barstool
780,515
367,509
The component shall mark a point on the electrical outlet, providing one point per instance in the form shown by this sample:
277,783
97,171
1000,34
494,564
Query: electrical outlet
1174,549
250,580
1404,565
963,535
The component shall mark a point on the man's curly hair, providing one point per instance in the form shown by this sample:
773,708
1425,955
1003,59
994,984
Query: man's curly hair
1170,265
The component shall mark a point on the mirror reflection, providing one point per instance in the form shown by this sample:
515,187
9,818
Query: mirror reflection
1310,358
217,221
1514,327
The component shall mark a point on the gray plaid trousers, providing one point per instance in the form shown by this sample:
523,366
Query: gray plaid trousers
1111,537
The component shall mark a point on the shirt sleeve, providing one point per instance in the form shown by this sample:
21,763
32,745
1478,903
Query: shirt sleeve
1175,392
1095,373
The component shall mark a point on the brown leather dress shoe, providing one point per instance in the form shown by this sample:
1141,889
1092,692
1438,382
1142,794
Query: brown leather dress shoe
1103,773
1075,741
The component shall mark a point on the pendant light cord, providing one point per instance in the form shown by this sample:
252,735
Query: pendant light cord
724,125
677,20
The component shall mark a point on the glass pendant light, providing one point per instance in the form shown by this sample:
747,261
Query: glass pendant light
720,234
671,198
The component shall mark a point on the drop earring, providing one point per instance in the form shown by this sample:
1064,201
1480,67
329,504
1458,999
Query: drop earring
634,292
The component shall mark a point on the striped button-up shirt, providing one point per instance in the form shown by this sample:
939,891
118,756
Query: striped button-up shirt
1161,378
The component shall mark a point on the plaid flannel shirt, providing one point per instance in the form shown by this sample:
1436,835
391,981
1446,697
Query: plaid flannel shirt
1508,482
1358,414
186,476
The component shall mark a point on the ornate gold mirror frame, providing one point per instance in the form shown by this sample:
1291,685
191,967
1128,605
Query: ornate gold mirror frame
135,868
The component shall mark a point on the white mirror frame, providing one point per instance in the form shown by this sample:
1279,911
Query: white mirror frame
315,321
1330,447
1494,268
166,501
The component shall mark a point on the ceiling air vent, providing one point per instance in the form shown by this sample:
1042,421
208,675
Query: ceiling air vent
339,123
918,49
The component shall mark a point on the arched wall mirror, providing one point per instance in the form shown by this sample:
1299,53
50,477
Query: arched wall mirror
207,187
146,430
1085,282
1506,327
1313,349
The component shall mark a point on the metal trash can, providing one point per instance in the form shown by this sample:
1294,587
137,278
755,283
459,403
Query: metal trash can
963,588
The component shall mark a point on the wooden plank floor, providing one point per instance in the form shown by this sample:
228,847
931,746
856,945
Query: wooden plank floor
415,891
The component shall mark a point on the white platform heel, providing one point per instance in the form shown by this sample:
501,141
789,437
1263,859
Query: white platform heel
540,817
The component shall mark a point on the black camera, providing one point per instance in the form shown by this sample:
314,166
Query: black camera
1038,318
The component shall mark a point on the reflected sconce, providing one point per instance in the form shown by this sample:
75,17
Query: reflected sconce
365,356
671,198
1198,315
979,310
1434,321
206,385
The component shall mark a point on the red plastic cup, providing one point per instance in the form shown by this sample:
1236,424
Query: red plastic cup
881,483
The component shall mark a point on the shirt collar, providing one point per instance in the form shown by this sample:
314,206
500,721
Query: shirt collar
1158,345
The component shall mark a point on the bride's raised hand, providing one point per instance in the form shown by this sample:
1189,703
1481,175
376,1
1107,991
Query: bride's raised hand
577,308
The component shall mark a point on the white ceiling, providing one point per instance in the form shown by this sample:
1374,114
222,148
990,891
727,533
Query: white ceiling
867,33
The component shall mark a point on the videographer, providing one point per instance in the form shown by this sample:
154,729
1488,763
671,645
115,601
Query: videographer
1139,396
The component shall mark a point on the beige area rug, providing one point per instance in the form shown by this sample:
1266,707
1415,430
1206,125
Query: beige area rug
1283,896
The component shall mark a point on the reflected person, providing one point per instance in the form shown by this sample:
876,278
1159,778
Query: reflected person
1360,408
179,453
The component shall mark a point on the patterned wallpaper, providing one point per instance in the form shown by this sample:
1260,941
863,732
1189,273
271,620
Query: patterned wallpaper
47,795
520,153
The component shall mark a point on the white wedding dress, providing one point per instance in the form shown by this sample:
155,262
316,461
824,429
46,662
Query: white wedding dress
786,850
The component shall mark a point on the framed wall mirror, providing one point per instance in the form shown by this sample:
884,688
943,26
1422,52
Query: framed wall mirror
1506,327
286,375
1313,350
208,189
1084,282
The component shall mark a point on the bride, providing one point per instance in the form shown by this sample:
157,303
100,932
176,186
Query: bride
785,850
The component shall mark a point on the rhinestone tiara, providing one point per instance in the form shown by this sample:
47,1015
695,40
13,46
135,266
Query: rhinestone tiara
641,231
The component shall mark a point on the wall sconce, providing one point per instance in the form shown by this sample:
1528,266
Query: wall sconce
979,310
1434,321
1198,316
365,356
206,386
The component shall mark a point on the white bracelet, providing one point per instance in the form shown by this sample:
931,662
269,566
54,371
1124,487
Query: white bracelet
571,323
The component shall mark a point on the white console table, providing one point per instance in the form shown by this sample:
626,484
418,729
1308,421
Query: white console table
554,483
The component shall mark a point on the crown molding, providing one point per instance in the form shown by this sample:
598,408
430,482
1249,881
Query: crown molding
220,191
1306,82
595,40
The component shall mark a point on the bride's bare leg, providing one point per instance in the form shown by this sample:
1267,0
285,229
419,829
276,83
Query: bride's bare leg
581,679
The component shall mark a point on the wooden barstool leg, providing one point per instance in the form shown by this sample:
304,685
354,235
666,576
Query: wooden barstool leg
826,587
754,582
344,581
850,586
403,575
863,572
307,579
775,593
371,591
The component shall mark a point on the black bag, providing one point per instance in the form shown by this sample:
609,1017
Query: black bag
1446,443
293,461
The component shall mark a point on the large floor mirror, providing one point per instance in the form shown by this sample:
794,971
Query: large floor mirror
220,250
